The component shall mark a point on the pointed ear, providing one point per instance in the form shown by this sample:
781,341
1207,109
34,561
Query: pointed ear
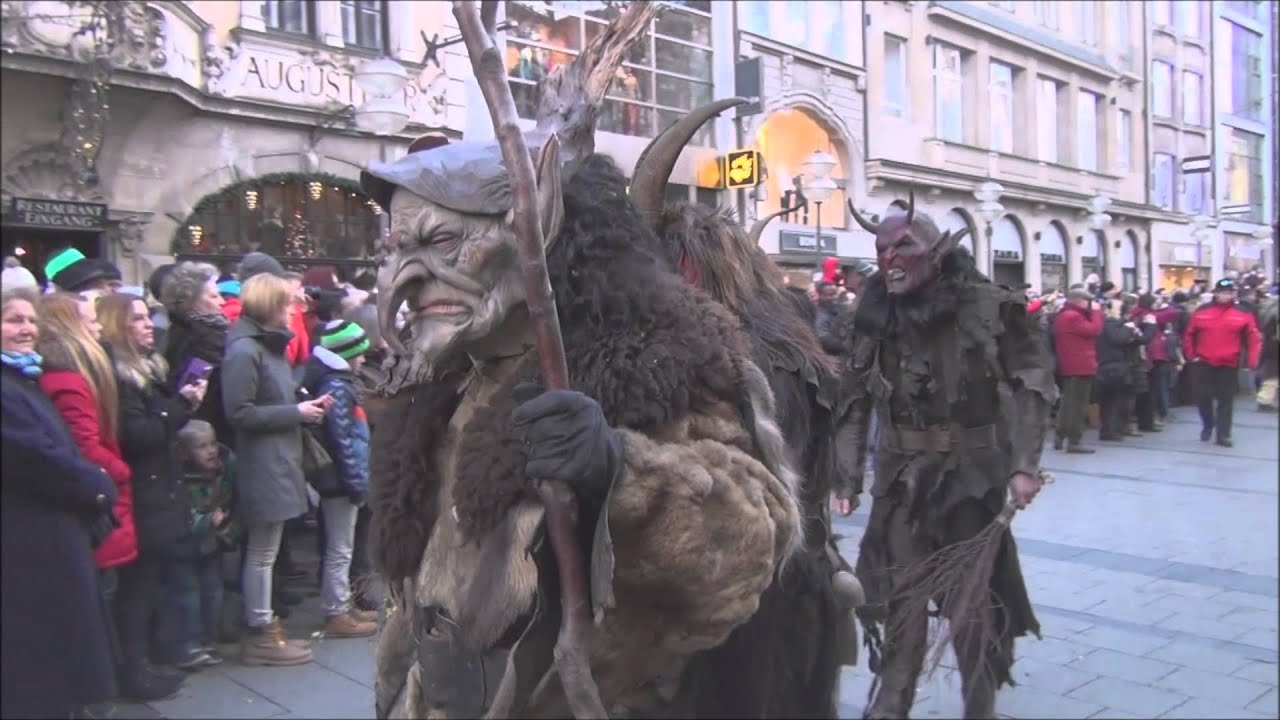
550,200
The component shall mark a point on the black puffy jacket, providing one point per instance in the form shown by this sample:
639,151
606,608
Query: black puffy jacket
149,421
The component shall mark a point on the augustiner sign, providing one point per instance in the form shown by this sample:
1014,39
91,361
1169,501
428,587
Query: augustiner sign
57,214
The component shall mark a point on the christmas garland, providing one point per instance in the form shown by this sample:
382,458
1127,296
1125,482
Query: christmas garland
299,243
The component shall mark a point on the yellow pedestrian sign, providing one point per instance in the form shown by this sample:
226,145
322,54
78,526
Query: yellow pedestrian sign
741,169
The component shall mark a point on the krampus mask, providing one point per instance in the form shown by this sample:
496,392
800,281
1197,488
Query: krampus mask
909,248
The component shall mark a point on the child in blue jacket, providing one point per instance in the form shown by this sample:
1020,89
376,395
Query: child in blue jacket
344,434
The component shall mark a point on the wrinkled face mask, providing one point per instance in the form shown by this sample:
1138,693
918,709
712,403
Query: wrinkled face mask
457,275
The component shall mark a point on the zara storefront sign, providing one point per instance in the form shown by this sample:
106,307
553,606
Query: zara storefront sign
319,80
57,215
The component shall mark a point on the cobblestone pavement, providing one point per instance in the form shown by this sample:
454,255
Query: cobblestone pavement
1153,566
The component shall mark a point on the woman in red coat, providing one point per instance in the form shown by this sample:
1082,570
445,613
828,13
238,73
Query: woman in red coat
79,380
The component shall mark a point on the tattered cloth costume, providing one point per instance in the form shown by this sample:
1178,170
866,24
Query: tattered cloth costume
958,379
690,534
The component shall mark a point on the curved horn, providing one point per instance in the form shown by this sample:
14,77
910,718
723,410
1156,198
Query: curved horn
759,226
956,237
911,205
653,169
857,216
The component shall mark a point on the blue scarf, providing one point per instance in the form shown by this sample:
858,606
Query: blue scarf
26,363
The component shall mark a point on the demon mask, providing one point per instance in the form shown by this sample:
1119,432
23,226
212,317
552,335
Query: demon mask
453,260
909,248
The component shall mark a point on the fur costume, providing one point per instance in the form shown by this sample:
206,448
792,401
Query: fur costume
690,536
954,370
804,630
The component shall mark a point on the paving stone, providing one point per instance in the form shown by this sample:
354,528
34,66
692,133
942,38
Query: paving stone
1114,714
211,693
1204,607
1127,696
311,690
1031,703
1110,663
1259,638
1260,672
1131,609
1164,586
1054,677
1125,641
1243,599
1226,690
1253,618
1052,650
1268,704
1197,709
1202,626
1200,656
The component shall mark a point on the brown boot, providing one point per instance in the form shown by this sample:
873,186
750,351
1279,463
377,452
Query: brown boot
364,615
268,645
346,626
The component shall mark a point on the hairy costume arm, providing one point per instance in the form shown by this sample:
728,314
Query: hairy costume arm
1027,391
698,527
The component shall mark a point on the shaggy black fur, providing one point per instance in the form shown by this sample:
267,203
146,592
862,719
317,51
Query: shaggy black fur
641,342
783,662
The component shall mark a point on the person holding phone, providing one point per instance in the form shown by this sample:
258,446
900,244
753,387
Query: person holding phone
197,335
258,399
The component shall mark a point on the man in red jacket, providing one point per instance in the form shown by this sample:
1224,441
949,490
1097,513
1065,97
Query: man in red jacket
1075,343
1218,334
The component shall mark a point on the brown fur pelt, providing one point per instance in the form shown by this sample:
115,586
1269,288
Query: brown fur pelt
646,346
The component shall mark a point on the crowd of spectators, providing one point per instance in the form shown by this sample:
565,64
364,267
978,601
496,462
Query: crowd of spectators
153,441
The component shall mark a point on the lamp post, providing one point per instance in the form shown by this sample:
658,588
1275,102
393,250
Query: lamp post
1098,221
818,185
1200,232
990,210
383,82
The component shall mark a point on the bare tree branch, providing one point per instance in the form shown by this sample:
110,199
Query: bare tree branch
572,661
569,98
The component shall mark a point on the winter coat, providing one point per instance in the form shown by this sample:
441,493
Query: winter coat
260,403
203,337
73,399
1117,352
231,309
1269,317
1075,341
1219,333
299,349
1158,349
208,495
150,418
826,324
55,652
345,430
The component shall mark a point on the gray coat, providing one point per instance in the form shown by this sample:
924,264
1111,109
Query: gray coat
258,394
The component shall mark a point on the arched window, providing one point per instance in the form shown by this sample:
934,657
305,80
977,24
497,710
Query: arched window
1053,258
310,219
1129,261
786,140
1006,252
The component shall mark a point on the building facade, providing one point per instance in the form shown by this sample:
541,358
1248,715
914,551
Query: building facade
812,74
1245,134
1040,101
207,129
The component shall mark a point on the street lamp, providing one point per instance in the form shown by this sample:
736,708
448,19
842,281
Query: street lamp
383,82
990,210
1201,224
818,185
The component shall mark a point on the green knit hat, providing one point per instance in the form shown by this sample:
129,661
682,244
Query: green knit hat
344,339
61,260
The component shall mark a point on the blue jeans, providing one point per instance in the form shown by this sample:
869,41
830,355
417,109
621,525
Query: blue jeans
1158,379
197,586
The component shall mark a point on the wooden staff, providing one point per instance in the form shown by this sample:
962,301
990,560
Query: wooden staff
572,662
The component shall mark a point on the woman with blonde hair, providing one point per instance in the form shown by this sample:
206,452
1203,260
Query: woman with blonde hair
151,412
56,654
259,398
79,380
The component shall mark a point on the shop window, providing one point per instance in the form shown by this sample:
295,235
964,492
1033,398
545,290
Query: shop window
665,74
289,16
318,218
786,139
364,23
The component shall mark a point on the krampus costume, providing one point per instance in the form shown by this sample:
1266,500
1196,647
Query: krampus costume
956,373
806,617
686,503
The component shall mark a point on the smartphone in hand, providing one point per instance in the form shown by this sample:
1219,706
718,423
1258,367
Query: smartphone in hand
195,371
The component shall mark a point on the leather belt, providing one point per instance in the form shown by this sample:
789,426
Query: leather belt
937,438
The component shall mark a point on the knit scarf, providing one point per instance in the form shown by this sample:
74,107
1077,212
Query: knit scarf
26,363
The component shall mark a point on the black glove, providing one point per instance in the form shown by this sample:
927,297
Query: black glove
100,526
569,439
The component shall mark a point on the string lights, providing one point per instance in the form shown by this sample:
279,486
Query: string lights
251,199
316,188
